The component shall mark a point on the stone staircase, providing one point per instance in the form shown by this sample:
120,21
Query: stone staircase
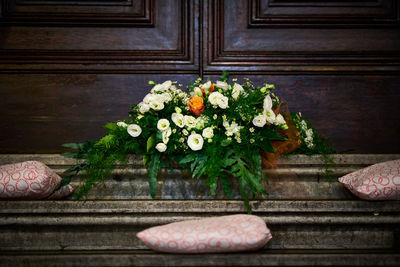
313,222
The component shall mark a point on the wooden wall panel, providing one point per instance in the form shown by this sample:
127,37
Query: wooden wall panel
292,41
41,39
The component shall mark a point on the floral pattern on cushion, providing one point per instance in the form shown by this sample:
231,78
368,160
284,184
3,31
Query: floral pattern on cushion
211,235
27,180
377,182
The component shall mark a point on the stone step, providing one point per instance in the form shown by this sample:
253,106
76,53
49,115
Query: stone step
296,177
149,258
112,225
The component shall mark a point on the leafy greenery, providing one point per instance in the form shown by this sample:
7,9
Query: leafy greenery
218,140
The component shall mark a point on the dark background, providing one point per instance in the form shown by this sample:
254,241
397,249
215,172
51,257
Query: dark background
67,67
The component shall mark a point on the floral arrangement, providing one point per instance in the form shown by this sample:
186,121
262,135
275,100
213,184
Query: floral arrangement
216,130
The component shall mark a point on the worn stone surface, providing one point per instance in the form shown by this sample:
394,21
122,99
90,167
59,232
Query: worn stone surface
296,177
111,225
146,258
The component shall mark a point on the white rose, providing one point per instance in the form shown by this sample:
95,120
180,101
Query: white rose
178,119
208,132
162,125
213,97
223,102
134,130
143,107
237,90
206,86
158,98
222,85
148,98
166,97
157,105
280,119
166,85
259,120
190,121
161,147
270,116
267,102
195,142
122,124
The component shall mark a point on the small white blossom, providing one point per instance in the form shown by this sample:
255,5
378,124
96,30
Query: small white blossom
259,120
190,121
197,91
157,105
208,132
267,102
237,90
122,124
161,147
251,130
215,116
206,86
162,125
195,142
134,130
309,133
223,102
143,107
280,120
269,116
178,119
222,85
213,98
185,132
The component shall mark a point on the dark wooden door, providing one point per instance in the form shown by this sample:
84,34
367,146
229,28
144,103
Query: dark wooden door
69,66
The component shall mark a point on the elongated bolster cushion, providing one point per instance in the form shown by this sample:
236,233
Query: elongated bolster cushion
27,180
211,235
377,182
63,192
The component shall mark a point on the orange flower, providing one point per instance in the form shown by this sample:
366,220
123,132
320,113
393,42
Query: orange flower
196,105
210,90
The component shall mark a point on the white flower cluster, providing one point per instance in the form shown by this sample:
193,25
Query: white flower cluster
232,129
160,95
268,116
218,100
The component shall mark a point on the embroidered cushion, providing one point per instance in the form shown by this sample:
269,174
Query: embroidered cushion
27,180
377,182
219,234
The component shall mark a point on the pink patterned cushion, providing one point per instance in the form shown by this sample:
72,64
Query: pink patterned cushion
219,234
63,192
27,180
377,182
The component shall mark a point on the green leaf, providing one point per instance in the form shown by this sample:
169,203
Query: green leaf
72,145
187,159
198,171
153,169
212,181
226,142
145,159
226,185
73,155
243,193
66,180
151,142
224,76
267,146
111,127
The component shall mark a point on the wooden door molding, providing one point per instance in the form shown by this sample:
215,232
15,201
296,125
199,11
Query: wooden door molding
162,36
232,43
